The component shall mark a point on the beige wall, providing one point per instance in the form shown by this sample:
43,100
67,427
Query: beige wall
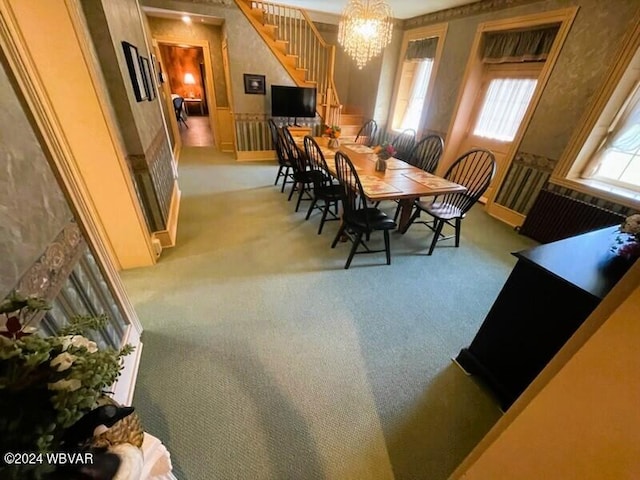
585,423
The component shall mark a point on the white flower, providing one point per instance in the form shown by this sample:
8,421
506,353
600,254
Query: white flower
63,361
71,385
631,224
78,341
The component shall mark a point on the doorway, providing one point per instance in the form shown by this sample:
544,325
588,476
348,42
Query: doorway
186,79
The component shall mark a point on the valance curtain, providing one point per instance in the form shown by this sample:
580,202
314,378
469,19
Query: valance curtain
421,49
518,46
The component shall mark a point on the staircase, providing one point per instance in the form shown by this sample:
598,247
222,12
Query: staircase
297,44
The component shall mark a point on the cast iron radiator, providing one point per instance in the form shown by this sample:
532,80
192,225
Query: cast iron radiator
554,217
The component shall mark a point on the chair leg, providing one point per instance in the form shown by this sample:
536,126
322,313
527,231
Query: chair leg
294,187
278,175
324,215
338,235
284,182
436,235
356,242
313,204
458,228
302,190
397,214
387,247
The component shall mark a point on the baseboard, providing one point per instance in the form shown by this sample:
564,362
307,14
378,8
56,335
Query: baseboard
506,215
167,238
257,155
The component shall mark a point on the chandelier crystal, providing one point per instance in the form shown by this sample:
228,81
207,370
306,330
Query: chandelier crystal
365,28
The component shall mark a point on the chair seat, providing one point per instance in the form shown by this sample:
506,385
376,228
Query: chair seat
306,176
329,192
378,220
442,210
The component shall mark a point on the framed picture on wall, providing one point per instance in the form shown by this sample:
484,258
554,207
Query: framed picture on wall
254,84
135,71
149,85
158,68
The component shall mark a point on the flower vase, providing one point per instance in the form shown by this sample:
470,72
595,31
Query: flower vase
334,143
381,164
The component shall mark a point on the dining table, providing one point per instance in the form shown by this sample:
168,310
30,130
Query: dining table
400,181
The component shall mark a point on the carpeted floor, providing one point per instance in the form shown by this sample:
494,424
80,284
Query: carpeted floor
264,359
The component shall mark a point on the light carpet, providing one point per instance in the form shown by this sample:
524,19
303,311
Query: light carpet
264,359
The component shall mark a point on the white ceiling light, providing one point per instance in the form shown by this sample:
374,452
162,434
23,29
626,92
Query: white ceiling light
186,19
365,28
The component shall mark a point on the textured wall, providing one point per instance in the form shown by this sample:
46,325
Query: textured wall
593,39
165,27
110,22
33,210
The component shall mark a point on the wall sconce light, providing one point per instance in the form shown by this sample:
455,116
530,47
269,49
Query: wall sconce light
189,79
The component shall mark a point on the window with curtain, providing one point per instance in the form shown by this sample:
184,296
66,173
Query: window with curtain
617,160
503,108
414,83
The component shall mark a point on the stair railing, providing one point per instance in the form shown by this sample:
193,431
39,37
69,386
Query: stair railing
314,56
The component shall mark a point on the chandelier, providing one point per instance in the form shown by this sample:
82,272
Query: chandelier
365,29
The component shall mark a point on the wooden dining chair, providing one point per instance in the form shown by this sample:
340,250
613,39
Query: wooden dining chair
302,176
474,170
358,218
324,188
425,156
367,133
284,165
404,143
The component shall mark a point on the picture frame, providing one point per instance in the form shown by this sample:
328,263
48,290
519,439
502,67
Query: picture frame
254,84
158,68
135,71
149,85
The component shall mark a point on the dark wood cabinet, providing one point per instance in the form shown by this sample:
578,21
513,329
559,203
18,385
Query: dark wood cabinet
552,289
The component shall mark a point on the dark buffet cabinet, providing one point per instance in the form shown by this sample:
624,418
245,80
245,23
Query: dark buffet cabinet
552,289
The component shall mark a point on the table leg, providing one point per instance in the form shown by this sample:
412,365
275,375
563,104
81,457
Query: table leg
406,205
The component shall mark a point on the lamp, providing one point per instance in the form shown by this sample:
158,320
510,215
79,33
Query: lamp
365,29
189,79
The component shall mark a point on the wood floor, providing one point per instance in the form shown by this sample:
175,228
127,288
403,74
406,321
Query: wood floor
199,132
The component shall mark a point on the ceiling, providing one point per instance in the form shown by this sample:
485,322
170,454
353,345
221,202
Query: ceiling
400,8
325,10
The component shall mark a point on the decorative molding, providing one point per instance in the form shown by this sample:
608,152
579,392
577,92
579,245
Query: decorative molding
47,274
449,14
539,162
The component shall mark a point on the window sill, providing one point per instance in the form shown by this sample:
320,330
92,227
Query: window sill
619,195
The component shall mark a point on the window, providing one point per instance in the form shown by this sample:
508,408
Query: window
603,158
417,67
410,116
503,108
618,159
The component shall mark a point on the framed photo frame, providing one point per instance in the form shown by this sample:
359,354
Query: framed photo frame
254,84
149,86
135,71
158,68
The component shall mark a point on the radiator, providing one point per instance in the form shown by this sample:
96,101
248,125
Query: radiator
554,217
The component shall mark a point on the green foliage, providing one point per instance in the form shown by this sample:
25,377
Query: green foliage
49,383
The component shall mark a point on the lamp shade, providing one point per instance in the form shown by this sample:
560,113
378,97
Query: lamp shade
189,79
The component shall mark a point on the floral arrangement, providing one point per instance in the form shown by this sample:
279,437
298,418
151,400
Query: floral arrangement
48,383
628,241
332,131
385,150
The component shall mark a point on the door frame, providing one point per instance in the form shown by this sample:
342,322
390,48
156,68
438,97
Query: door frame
212,103
471,86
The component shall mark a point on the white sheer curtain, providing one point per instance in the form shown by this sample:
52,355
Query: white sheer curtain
503,108
411,117
620,149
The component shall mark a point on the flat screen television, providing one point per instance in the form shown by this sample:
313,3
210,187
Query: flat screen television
298,102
